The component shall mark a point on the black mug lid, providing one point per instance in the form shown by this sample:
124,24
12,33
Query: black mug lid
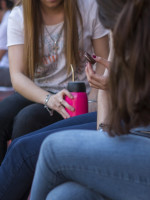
76,86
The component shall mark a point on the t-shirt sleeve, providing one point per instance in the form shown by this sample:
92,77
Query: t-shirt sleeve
3,36
98,29
15,33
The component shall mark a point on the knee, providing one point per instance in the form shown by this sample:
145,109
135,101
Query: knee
60,143
25,116
16,151
18,145
73,191
22,149
65,191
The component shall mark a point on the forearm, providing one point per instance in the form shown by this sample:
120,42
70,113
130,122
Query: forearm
21,83
103,96
103,107
92,100
102,99
27,88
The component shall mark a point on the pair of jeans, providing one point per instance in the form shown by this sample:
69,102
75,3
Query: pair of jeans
18,166
93,164
19,116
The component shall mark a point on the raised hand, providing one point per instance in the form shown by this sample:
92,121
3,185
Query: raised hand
95,80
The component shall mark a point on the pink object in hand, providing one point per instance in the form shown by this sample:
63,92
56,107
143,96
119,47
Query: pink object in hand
80,100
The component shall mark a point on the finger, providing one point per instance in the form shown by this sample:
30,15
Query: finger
92,76
63,113
66,93
57,104
102,61
60,100
89,72
93,86
87,63
86,71
90,69
99,87
65,104
99,81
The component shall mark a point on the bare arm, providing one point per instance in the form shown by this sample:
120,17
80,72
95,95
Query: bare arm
2,53
27,88
103,95
98,79
101,48
21,83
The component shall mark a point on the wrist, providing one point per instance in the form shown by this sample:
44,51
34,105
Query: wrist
47,98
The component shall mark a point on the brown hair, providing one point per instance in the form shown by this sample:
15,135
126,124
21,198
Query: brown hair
33,31
130,70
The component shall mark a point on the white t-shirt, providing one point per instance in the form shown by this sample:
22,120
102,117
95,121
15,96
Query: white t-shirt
3,39
52,75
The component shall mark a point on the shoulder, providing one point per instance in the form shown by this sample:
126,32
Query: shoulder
89,12
88,9
87,6
15,18
17,13
15,27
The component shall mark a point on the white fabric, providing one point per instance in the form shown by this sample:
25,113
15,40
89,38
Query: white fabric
3,39
50,75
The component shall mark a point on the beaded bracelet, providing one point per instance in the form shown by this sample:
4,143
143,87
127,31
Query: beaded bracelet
45,104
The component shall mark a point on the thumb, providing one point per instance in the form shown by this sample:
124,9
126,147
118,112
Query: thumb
102,61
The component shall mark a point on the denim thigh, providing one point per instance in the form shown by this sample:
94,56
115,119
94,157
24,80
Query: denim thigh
17,169
116,167
73,121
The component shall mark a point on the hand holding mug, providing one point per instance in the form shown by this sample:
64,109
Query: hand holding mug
95,80
58,103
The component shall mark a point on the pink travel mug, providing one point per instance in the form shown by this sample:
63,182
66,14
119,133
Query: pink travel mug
80,100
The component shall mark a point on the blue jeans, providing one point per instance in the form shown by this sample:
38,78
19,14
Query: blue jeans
94,166
18,166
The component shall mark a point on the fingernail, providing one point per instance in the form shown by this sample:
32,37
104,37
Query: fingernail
94,56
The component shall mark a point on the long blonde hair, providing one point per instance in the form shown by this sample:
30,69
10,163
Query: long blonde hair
33,33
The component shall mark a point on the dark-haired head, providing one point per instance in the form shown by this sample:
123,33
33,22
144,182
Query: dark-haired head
109,11
130,71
